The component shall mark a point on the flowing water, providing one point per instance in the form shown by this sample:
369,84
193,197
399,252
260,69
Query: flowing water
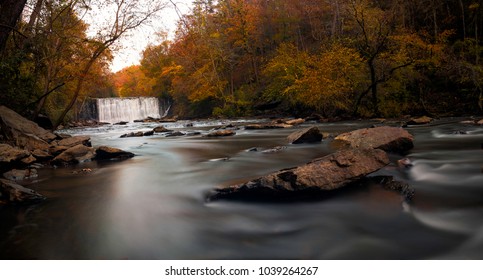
153,206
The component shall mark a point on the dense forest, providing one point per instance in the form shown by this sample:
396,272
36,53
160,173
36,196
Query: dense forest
228,58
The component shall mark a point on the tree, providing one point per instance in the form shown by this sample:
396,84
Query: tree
60,40
374,28
10,11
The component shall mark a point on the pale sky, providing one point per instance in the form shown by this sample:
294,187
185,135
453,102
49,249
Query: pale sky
132,46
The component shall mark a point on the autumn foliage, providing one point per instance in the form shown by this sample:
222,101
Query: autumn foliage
230,57
343,57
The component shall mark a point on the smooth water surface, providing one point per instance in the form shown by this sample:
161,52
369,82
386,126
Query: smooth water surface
153,206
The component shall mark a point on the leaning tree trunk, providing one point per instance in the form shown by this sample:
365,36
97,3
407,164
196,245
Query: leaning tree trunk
10,11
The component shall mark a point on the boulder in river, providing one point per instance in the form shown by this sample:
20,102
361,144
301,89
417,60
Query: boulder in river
321,175
106,153
389,139
13,193
307,135
133,134
295,121
76,154
74,141
148,133
420,121
221,133
161,129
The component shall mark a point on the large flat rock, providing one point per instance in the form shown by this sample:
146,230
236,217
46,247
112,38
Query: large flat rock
325,174
14,125
75,140
389,139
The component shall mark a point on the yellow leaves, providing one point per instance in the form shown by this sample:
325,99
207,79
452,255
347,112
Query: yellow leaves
322,81
474,6
172,70
329,78
215,35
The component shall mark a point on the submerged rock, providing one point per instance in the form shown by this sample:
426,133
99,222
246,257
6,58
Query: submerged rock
405,163
13,193
388,183
106,153
19,175
274,150
267,126
389,139
321,175
307,135
295,121
175,134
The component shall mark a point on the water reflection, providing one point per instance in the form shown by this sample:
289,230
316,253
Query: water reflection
153,206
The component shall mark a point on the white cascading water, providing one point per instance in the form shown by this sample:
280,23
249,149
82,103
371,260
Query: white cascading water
114,110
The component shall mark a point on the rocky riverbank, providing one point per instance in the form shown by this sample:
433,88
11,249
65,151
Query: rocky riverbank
25,146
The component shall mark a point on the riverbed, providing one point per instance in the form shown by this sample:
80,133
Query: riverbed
154,206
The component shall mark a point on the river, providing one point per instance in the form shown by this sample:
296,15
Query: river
153,206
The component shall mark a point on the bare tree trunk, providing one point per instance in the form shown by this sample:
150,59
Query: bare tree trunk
435,20
10,11
374,83
35,14
463,20
336,20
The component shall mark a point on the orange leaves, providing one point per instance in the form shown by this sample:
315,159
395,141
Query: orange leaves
131,82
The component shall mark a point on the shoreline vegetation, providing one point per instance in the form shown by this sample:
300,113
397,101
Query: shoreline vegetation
233,58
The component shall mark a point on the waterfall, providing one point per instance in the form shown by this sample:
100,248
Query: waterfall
114,110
